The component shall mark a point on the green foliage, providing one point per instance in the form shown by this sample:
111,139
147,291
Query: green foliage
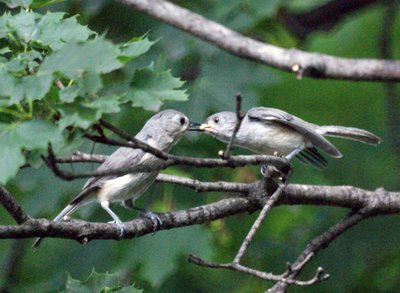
158,255
150,89
96,282
56,70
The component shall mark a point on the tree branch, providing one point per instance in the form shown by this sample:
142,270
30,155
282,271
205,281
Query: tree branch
239,118
255,273
199,186
13,207
232,162
80,157
318,243
267,207
379,201
311,64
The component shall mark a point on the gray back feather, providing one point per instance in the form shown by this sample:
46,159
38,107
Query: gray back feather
307,129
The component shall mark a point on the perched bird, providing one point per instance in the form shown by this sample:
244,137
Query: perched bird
272,131
161,131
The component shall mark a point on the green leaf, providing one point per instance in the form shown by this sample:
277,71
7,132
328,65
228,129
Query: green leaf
54,31
25,136
4,21
23,24
7,85
96,56
98,282
11,158
34,87
149,89
4,50
69,94
82,113
134,48
17,3
90,83
105,104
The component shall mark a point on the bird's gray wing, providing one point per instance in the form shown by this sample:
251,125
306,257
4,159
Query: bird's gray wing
269,115
120,159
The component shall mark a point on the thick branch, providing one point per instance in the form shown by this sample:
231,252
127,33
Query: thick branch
380,202
311,64
85,231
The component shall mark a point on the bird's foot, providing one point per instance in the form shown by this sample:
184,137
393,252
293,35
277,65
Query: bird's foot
268,171
121,227
157,222
271,172
278,154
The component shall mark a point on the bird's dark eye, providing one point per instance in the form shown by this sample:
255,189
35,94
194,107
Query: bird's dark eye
182,120
216,119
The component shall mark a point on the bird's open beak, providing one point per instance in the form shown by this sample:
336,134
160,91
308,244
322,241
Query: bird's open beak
193,126
206,127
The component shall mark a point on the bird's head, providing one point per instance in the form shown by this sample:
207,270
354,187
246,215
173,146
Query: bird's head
220,125
165,128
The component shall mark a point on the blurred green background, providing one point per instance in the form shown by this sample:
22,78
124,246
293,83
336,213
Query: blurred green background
366,258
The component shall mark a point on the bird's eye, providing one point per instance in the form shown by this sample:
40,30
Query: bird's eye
216,119
182,120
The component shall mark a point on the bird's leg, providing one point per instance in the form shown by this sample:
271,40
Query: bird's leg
263,169
268,171
144,213
121,226
150,215
297,150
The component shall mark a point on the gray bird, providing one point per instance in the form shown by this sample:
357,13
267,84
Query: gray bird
272,131
161,131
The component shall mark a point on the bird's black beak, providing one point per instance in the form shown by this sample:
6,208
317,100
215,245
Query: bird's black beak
193,126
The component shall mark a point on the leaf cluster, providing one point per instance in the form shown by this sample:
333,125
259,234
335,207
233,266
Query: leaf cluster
58,77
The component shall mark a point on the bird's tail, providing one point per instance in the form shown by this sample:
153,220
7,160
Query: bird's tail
69,209
357,134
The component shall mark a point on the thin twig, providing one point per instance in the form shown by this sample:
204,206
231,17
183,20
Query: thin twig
233,162
80,157
59,84
239,118
200,186
267,207
134,141
318,243
255,273
13,207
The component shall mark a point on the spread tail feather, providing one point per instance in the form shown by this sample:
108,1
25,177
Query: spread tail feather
69,209
356,134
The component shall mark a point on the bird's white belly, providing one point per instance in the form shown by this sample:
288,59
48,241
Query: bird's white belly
129,186
267,139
